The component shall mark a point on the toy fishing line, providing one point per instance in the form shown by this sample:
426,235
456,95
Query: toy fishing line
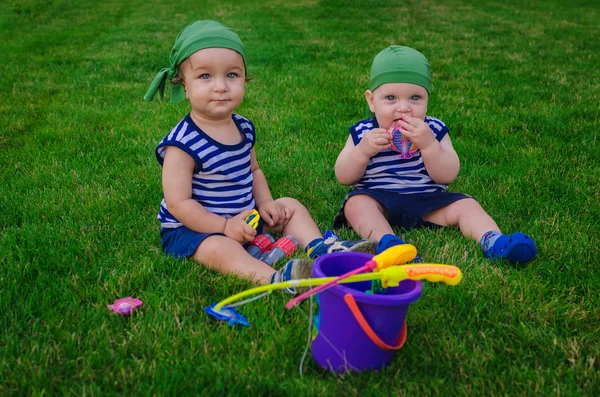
348,366
309,339
384,270
389,275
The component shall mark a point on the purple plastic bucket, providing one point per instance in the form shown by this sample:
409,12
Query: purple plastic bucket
341,343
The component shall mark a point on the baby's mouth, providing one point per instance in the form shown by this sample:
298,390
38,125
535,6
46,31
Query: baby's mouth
407,116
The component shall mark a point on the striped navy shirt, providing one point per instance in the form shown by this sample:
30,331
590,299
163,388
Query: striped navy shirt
387,171
222,180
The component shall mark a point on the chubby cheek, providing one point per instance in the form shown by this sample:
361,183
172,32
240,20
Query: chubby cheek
240,93
385,122
239,90
421,111
385,117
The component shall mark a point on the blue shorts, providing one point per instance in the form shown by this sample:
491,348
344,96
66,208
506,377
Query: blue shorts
403,210
182,242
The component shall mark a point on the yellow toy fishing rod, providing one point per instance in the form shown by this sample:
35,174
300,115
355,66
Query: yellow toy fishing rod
390,275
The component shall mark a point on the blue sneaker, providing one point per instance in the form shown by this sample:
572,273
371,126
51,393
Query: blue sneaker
517,248
390,240
295,269
332,244
329,233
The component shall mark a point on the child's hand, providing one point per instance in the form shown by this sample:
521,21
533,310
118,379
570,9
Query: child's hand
275,213
237,228
417,131
374,141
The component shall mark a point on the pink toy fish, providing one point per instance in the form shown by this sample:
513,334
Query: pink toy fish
400,143
125,306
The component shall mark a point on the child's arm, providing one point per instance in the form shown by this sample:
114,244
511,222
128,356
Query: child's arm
352,161
272,212
441,161
178,169
440,158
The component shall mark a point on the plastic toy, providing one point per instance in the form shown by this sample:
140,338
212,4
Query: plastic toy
253,219
398,254
389,275
260,244
125,306
354,330
229,314
282,248
400,143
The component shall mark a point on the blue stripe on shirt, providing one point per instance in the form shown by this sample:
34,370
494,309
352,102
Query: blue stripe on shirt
222,180
386,170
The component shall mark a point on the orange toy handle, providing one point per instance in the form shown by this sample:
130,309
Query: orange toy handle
349,299
448,274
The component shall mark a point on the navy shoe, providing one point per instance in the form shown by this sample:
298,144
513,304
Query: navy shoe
390,240
517,248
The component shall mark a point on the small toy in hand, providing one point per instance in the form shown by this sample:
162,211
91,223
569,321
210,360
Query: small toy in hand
253,219
400,143
125,306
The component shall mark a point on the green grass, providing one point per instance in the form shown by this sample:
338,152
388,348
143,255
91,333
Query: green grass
516,81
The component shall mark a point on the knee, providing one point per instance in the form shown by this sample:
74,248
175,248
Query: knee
211,248
469,204
460,208
351,205
290,202
357,204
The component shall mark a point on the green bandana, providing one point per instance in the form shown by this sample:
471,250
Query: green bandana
398,64
194,37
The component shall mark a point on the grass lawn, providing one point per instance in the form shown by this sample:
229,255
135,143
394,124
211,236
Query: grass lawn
517,82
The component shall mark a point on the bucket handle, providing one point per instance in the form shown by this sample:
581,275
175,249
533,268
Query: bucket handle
349,299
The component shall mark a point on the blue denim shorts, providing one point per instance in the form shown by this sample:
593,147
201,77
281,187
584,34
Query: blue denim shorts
403,210
182,242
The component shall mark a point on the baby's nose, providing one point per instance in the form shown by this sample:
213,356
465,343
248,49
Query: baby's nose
403,107
404,113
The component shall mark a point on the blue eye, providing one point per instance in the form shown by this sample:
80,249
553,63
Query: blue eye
415,98
390,97
232,75
205,76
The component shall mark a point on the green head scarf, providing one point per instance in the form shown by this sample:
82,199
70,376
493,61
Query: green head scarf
398,64
194,37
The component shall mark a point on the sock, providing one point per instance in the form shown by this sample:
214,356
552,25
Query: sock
488,240
283,274
295,269
387,241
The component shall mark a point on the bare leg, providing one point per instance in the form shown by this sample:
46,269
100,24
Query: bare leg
226,255
468,215
301,225
367,217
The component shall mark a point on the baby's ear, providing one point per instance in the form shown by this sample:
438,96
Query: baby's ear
182,82
369,98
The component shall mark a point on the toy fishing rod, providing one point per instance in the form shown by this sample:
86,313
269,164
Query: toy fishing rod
395,255
390,276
